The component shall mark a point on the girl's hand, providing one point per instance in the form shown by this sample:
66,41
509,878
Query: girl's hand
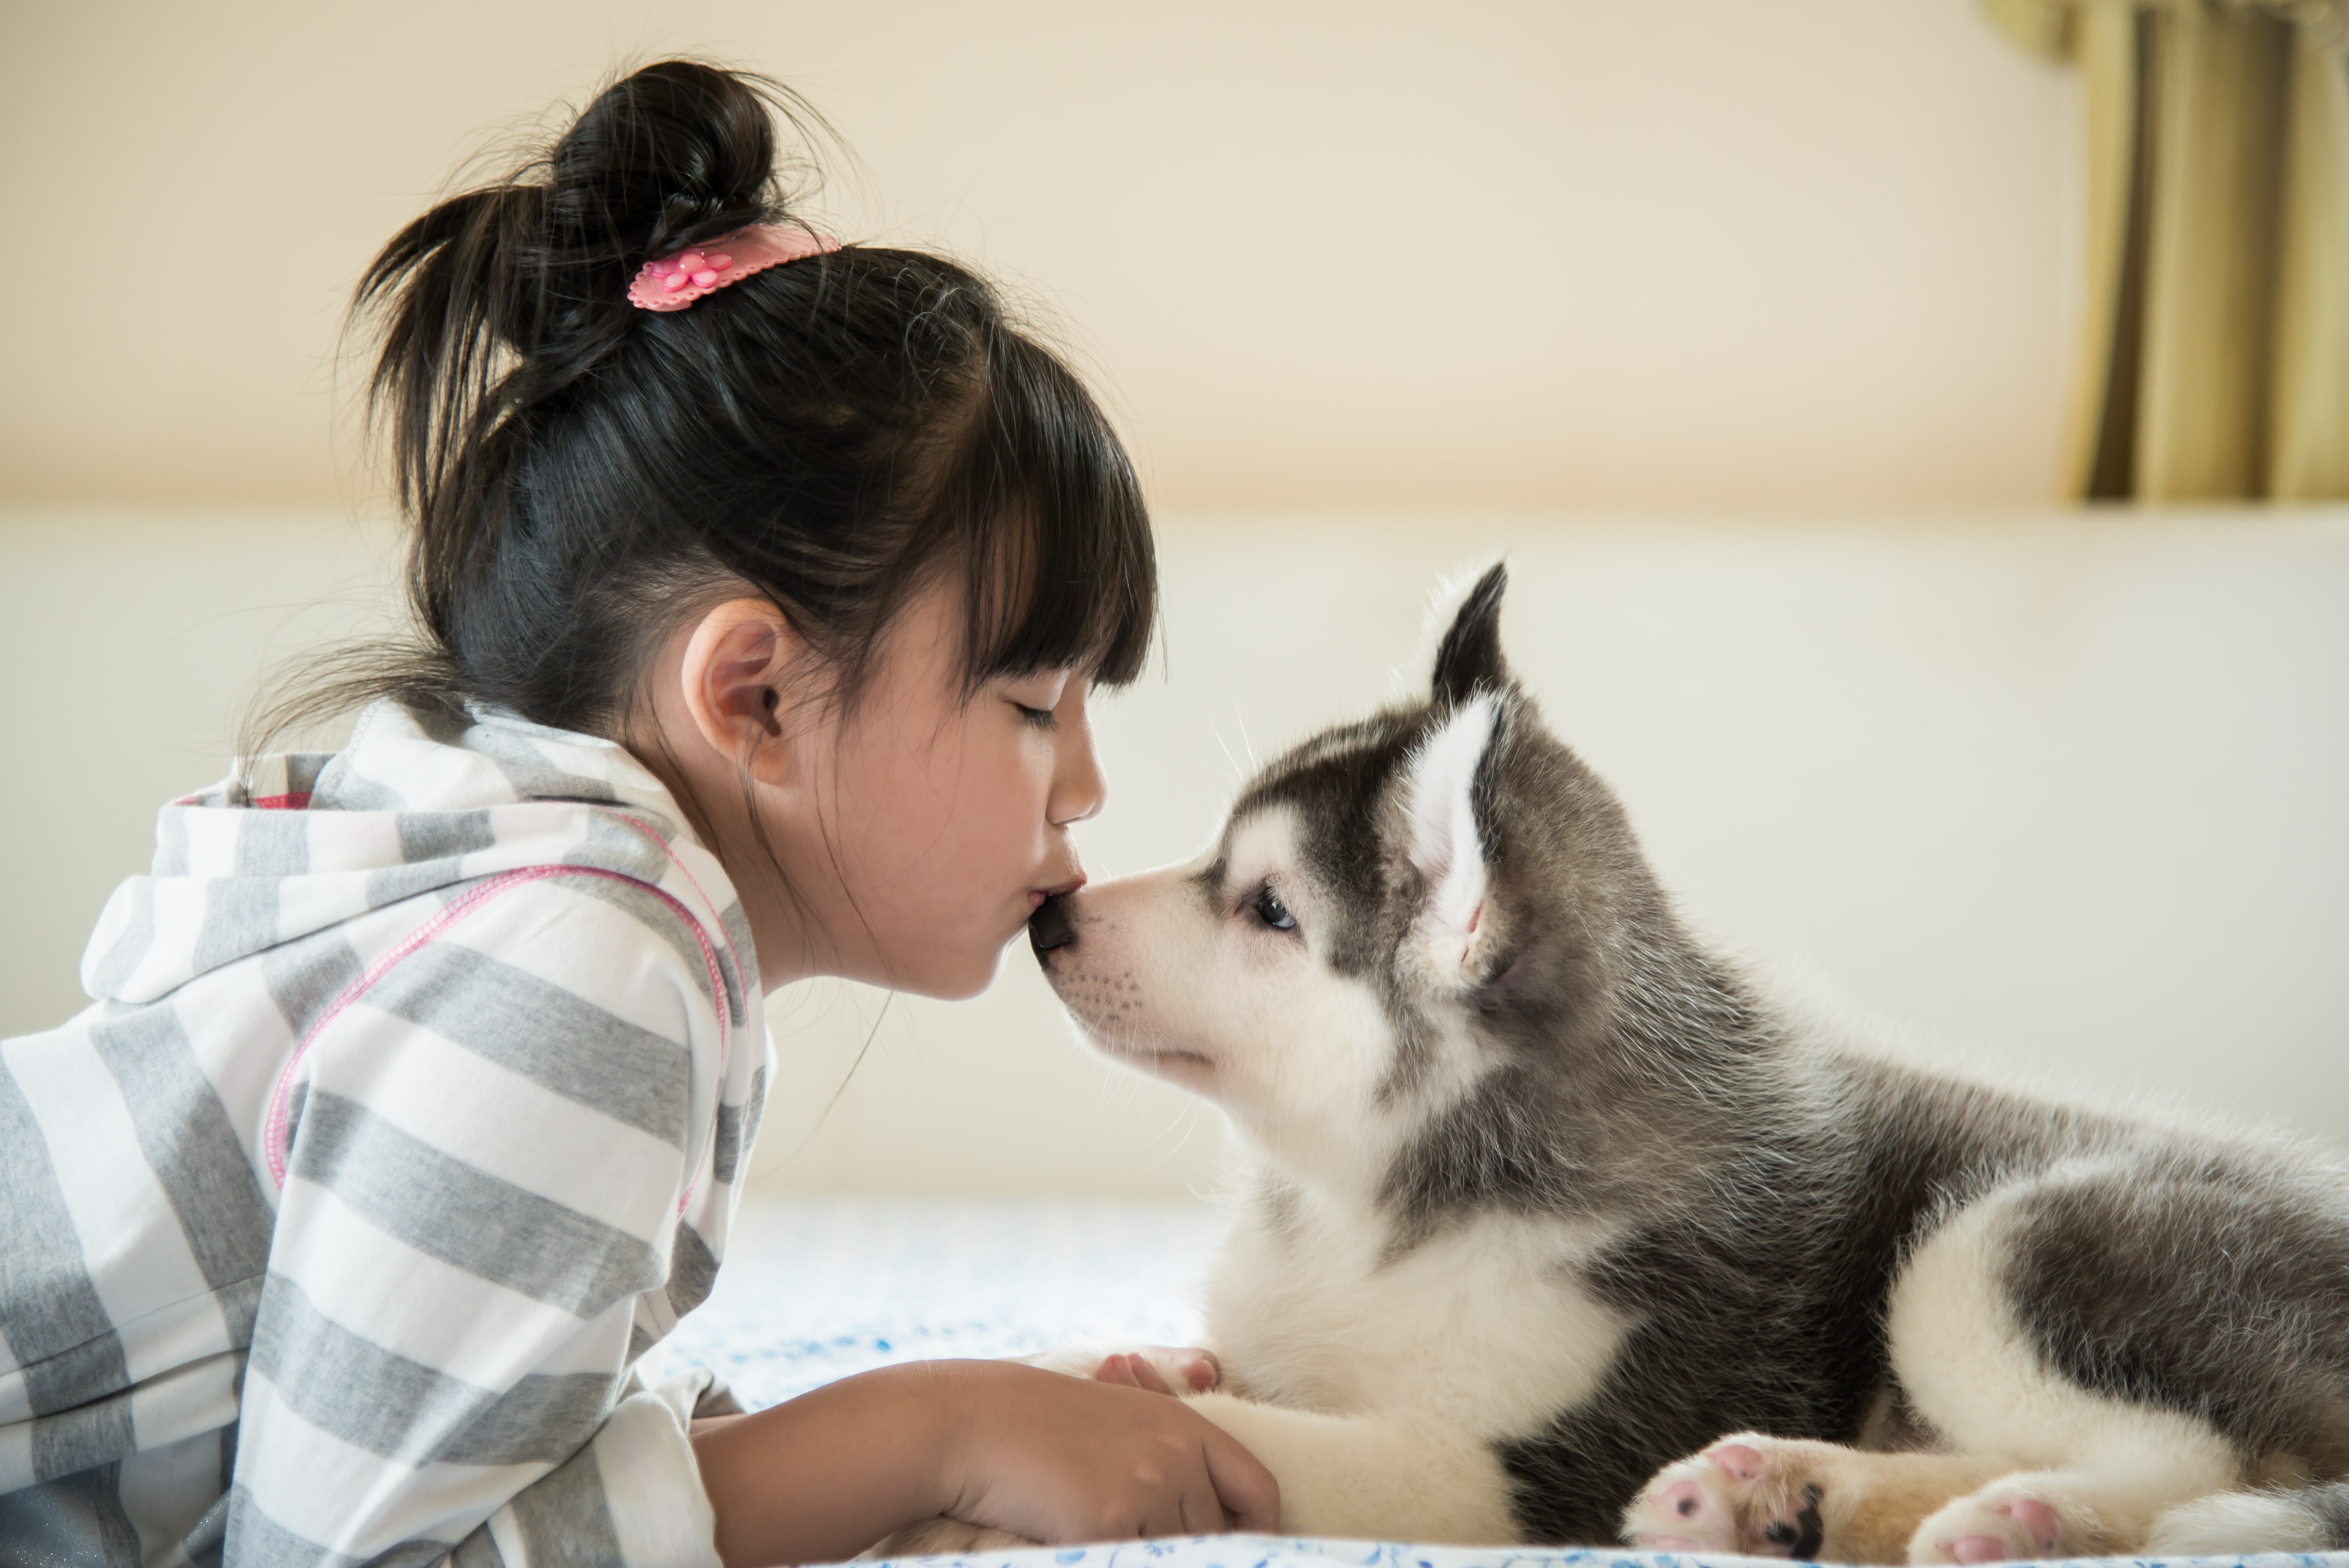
820,1477
1057,1459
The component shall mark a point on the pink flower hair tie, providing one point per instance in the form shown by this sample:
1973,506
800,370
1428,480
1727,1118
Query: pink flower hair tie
676,281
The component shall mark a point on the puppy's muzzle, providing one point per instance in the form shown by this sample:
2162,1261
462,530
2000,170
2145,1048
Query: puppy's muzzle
1049,926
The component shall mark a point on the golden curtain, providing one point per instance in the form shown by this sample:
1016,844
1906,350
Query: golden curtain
2217,360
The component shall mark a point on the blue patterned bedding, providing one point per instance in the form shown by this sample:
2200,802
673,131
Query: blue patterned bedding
817,1288
1275,1551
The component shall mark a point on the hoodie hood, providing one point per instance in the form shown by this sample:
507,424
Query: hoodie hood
417,804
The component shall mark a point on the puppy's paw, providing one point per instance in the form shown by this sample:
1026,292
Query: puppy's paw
942,1537
2008,1520
1161,1369
1747,1493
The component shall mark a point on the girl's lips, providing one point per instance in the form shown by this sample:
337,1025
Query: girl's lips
1036,895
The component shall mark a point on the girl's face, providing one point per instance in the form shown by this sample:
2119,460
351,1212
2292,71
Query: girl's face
919,832
947,819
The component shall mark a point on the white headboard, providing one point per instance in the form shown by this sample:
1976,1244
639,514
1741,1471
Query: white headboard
2066,789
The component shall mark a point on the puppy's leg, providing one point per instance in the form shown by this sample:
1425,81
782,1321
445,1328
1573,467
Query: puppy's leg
1184,1369
2101,1509
1995,1348
1367,1477
1777,1497
2052,1332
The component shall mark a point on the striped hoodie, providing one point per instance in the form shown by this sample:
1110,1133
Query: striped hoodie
408,1117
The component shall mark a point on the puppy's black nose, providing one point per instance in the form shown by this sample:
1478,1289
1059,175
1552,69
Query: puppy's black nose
1049,927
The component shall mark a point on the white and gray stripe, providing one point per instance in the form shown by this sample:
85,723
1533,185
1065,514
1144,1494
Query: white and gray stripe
508,1011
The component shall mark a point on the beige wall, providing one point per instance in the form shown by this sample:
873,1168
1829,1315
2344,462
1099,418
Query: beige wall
1533,252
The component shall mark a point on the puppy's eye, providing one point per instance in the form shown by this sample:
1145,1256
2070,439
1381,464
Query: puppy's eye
1272,911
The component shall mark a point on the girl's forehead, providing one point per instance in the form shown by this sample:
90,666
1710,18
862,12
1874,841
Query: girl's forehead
928,640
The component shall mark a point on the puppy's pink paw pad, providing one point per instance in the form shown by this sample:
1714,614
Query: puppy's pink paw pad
2002,1523
1743,1462
1161,1369
1683,1511
2046,1528
1200,1369
1729,1498
1682,1500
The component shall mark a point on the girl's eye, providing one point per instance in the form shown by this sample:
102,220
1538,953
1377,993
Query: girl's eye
1037,718
1272,911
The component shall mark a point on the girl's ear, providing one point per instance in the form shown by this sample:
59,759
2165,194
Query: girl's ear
737,683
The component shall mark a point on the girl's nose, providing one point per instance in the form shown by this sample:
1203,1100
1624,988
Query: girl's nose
1081,790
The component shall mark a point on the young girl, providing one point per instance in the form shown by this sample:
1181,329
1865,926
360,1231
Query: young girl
764,582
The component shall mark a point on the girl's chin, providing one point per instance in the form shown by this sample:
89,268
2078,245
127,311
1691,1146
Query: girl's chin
954,971
959,977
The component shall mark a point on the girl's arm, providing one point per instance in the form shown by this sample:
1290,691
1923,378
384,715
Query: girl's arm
1043,1455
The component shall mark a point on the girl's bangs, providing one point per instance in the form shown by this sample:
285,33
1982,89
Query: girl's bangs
1062,571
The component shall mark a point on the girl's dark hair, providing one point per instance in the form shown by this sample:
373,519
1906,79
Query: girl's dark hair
835,433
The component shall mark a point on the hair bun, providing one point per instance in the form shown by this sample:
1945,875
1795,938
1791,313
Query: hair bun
502,296
672,154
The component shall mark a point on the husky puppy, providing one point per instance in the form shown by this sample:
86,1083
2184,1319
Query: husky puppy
1560,1230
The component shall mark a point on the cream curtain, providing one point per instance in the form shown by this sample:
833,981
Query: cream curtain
2217,360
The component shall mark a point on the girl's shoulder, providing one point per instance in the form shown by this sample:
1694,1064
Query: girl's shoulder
436,834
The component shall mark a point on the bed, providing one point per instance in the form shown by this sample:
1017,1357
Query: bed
818,1288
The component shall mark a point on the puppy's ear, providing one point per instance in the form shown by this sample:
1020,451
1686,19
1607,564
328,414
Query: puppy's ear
1469,660
1449,775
